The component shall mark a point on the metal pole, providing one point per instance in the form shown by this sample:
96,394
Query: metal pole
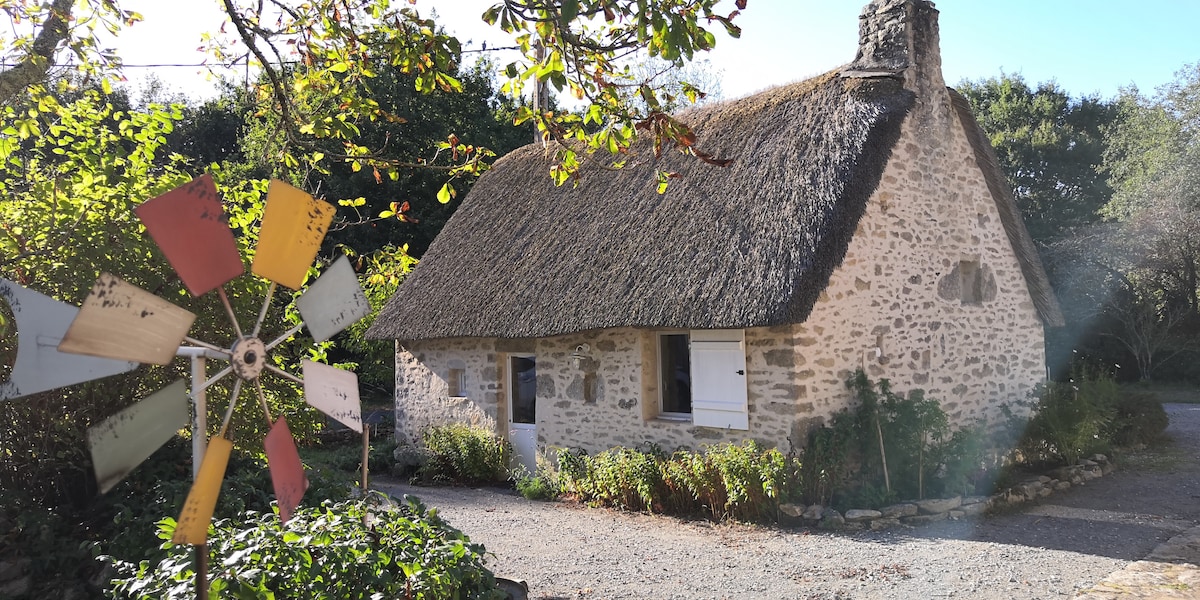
199,358
200,416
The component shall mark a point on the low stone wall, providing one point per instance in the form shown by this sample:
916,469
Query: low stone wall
921,512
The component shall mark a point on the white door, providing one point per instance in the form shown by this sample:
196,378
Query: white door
522,410
718,359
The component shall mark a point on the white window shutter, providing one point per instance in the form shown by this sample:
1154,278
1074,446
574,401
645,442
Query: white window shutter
719,378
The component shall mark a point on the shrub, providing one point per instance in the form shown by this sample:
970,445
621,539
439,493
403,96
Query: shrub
724,481
1070,419
1140,419
464,455
356,549
540,485
891,446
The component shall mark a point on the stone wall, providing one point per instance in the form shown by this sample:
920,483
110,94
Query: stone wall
930,294
422,391
607,398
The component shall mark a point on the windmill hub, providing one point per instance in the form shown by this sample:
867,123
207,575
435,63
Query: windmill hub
248,357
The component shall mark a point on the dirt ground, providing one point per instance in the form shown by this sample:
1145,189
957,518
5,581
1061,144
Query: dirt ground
1052,549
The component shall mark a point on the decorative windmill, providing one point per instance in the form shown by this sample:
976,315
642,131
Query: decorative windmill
121,326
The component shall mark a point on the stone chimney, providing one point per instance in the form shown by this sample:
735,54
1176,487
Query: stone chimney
899,38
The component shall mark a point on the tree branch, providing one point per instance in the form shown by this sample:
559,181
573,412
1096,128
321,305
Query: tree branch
41,57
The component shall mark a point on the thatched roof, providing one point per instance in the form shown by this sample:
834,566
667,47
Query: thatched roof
751,244
1010,215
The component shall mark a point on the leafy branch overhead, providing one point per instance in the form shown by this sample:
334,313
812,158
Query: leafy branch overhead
320,59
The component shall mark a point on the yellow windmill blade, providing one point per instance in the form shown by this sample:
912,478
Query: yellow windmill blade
293,227
192,525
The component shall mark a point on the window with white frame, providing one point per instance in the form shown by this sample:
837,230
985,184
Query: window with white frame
702,374
456,383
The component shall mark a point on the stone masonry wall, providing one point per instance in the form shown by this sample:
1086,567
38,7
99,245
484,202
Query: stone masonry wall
607,398
931,281
422,392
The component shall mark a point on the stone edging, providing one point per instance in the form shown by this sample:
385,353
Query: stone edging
922,512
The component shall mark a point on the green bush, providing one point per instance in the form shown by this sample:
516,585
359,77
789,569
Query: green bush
1071,419
892,446
724,481
355,549
542,484
1140,419
464,455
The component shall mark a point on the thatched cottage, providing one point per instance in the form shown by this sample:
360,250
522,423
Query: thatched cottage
863,223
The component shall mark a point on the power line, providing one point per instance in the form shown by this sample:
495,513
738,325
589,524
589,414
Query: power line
231,65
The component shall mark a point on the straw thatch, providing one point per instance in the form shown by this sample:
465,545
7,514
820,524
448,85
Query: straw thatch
747,245
1010,216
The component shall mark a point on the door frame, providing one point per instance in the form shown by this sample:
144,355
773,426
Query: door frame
528,431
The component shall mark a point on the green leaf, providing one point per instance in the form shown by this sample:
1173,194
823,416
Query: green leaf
569,9
446,193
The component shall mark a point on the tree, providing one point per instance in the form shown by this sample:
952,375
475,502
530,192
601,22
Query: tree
1050,146
1146,259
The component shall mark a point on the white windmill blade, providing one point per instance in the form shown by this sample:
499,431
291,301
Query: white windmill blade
42,322
123,441
333,302
120,320
333,392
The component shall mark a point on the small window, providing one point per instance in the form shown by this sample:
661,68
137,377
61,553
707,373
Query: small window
456,383
970,281
675,374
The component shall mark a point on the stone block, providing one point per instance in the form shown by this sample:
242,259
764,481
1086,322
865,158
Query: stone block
925,519
884,523
904,509
938,505
832,519
792,510
973,510
1062,485
814,512
956,514
856,515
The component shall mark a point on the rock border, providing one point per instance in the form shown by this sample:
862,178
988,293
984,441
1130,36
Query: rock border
915,513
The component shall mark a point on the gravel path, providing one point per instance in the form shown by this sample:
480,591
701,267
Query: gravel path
1049,550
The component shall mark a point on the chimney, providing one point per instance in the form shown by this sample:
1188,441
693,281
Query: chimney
899,38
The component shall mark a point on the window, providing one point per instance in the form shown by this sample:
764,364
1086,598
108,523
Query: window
702,376
456,383
675,374
970,281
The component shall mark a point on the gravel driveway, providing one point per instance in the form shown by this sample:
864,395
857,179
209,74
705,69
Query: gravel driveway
1049,550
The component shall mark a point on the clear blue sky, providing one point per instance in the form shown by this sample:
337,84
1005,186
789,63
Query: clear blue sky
1088,47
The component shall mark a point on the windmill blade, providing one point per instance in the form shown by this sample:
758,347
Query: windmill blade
293,227
41,323
120,320
192,525
287,474
333,392
121,442
190,226
333,302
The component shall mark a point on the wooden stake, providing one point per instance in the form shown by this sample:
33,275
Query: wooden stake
366,452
